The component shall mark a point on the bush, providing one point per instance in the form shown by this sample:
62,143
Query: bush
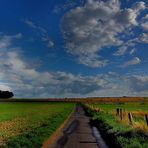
6,94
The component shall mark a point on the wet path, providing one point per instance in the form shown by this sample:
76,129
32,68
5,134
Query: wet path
78,134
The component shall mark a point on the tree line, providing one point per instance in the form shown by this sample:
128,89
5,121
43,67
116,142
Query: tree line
6,94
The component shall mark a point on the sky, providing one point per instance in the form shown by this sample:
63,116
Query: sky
74,48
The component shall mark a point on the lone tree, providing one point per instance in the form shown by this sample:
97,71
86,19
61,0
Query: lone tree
6,94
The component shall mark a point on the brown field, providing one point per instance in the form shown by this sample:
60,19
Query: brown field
89,99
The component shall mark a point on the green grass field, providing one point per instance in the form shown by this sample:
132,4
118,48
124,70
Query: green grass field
137,106
29,124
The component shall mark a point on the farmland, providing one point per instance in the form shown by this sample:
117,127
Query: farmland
30,124
117,128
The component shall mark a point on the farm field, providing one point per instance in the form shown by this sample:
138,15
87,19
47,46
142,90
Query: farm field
117,127
128,106
30,124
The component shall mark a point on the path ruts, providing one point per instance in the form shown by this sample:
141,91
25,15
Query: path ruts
78,134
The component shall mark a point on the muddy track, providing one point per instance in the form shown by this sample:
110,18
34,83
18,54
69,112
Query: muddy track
79,133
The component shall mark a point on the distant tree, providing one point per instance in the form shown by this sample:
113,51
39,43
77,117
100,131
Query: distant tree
6,94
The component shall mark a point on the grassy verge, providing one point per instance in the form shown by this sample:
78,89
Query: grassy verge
115,133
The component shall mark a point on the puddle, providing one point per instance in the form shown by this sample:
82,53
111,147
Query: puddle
101,143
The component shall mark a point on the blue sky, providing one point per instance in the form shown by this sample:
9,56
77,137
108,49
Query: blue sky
74,48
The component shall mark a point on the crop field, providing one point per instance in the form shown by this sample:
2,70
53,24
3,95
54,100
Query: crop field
131,106
30,124
124,123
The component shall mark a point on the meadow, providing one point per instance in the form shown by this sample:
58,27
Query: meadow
30,124
118,128
128,106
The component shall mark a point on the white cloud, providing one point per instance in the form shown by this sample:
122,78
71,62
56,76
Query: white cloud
121,51
43,32
132,51
5,40
145,25
139,6
26,81
139,84
4,87
50,44
127,17
134,61
97,24
144,22
145,17
92,61
143,38
124,48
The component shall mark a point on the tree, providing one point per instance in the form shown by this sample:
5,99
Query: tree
6,94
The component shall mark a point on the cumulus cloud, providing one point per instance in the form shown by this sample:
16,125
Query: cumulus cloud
145,25
144,22
139,6
124,48
42,31
121,51
29,82
133,61
26,81
5,40
97,24
4,87
138,84
92,61
143,38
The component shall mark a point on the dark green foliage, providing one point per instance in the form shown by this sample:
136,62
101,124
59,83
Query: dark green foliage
6,94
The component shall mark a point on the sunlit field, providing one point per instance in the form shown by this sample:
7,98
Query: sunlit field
133,106
30,124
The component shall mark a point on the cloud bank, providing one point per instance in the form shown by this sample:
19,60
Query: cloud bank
17,76
88,29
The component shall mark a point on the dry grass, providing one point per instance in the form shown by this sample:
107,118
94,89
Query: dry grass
139,113
138,125
11,128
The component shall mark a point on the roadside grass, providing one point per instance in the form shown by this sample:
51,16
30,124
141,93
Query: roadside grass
29,124
124,134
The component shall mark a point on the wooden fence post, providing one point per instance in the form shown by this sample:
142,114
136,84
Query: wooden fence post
130,118
121,114
146,118
117,112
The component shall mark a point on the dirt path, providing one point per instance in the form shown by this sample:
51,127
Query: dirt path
78,134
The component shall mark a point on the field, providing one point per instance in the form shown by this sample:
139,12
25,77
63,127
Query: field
30,124
122,124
